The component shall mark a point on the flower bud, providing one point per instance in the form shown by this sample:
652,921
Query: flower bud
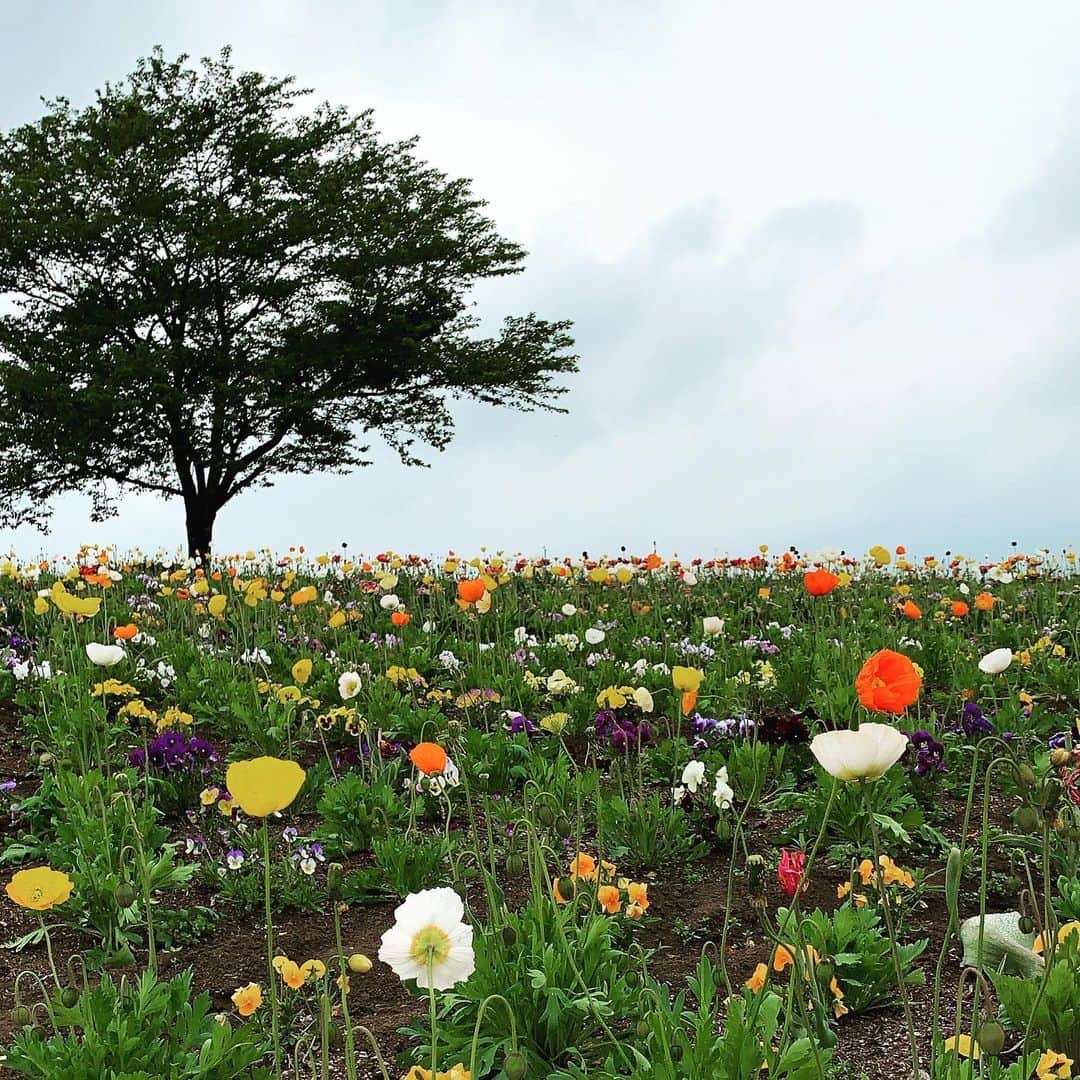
991,1037
125,894
20,1016
69,997
334,876
359,964
1061,758
1025,775
1026,819
954,869
515,1066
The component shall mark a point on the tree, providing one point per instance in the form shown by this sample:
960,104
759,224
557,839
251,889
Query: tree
209,286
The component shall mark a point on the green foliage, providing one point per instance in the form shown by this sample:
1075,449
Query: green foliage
557,1013
854,941
402,866
355,812
141,1031
1048,1006
649,830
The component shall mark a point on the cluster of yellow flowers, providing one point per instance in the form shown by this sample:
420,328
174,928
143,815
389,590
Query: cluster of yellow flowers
891,874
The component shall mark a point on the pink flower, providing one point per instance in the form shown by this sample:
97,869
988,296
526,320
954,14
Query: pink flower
791,871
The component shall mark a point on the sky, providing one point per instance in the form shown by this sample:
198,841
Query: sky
823,262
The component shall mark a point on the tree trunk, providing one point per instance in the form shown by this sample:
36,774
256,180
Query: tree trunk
200,527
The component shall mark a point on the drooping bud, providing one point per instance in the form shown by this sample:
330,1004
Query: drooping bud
954,870
991,1037
334,876
515,1066
359,964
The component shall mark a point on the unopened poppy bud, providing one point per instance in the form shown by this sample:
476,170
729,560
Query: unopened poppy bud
69,997
509,936
1025,775
642,1029
991,1037
20,1016
334,875
546,815
1026,819
515,1066
562,827
824,973
45,759
125,894
1061,758
515,865
954,870
1026,924
359,964
123,781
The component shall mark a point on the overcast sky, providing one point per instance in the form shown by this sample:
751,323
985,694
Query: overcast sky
823,262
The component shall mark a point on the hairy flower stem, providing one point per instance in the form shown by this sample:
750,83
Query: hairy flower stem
886,907
431,1006
343,971
275,1035
480,1019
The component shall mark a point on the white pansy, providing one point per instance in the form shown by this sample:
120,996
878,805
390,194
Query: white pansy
723,793
693,775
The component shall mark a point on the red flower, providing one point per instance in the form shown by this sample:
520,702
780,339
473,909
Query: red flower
791,871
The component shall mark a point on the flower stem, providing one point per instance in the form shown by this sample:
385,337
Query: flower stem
431,1004
270,951
886,907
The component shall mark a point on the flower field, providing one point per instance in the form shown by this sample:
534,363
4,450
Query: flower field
794,815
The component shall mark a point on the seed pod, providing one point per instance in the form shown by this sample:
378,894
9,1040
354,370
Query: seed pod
359,964
991,1037
515,1066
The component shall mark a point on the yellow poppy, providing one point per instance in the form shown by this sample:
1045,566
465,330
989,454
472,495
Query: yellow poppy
687,679
264,785
39,889
301,671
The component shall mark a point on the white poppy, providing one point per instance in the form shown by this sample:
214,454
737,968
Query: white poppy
104,655
429,938
390,602
689,578
568,610
644,700
693,774
866,753
964,589
594,635
994,663
712,625
348,685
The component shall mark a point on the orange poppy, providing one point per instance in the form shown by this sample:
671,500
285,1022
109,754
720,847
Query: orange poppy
471,590
984,601
400,618
653,561
758,979
959,608
820,582
428,757
888,682
125,633
689,700
911,609
559,898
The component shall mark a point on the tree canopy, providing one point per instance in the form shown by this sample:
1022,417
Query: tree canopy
211,283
